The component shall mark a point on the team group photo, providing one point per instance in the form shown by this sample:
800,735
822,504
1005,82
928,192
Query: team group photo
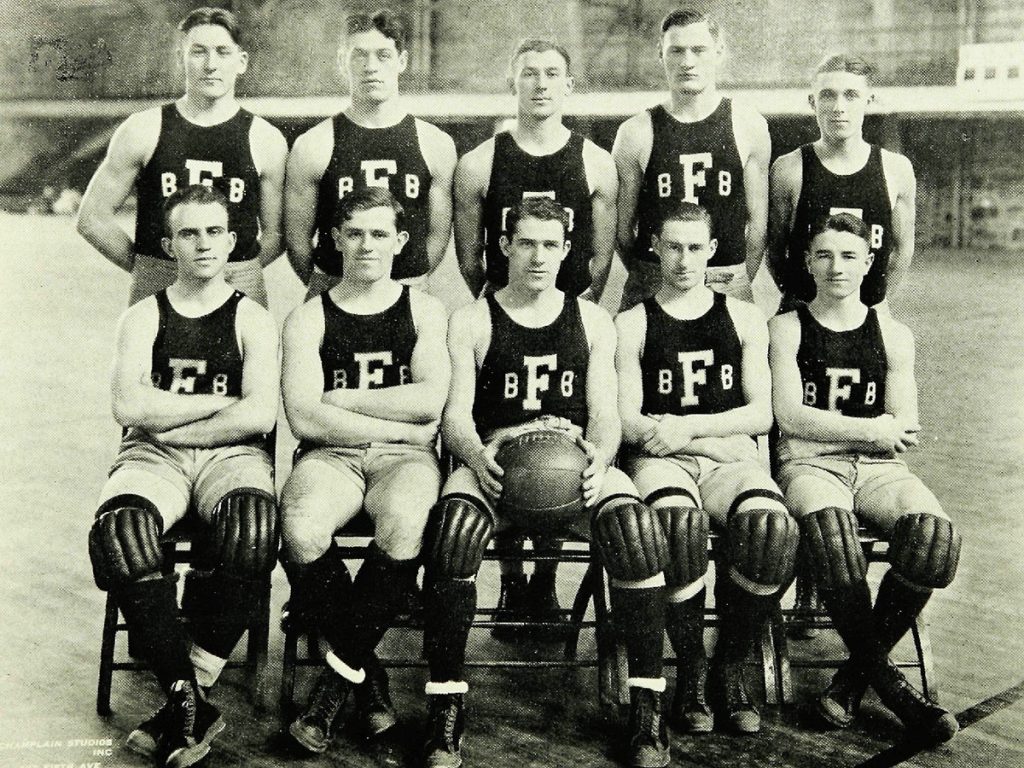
445,383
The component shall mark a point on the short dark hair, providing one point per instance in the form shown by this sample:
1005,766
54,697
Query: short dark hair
845,62
200,194
684,17
539,45
219,17
840,222
543,208
387,22
365,198
681,210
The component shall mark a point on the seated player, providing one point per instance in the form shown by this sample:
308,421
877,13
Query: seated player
365,378
694,391
521,357
195,384
846,403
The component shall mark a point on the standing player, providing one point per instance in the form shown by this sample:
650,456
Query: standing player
524,357
195,384
373,143
841,172
699,147
694,390
365,378
846,402
204,137
537,157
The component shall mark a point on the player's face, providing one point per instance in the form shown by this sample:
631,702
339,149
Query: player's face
684,248
212,61
691,57
368,243
200,240
840,100
535,253
838,262
373,65
541,83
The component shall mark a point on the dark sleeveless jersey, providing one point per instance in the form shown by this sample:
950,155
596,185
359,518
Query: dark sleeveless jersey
822,193
187,154
842,371
700,163
562,176
691,366
532,372
197,355
379,157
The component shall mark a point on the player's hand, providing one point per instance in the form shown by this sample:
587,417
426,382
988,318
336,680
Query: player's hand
895,434
487,470
593,475
557,423
669,435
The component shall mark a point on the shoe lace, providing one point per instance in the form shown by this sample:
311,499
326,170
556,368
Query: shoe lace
648,720
735,689
327,699
183,714
445,719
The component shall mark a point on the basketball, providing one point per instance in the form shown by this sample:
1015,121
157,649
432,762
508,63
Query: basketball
543,479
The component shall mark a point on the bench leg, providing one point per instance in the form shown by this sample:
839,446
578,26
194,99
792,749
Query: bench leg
110,615
925,659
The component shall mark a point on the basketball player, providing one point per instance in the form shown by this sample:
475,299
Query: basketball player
195,385
699,147
522,357
846,401
365,379
204,137
538,156
841,172
373,143
694,392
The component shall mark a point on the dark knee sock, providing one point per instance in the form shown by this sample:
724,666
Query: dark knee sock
896,608
850,609
151,610
639,622
743,615
355,625
450,606
219,607
684,623
312,584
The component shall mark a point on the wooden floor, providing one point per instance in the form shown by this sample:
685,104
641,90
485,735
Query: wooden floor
58,306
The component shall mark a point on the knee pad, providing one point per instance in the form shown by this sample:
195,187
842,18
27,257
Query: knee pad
459,532
762,545
925,550
630,541
124,541
242,537
686,534
833,546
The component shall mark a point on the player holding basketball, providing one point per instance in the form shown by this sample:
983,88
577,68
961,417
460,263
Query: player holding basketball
846,401
195,384
373,143
694,391
699,147
204,137
841,172
365,378
524,356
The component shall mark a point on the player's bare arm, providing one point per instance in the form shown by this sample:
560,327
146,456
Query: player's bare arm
899,174
900,383
305,167
255,413
131,147
784,191
136,401
604,428
631,152
270,151
604,190
751,130
631,330
438,151
422,400
472,176
302,383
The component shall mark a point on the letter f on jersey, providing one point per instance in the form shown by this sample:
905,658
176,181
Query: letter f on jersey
537,382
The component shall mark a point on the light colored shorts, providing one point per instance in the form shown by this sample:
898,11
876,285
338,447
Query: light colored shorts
879,490
179,479
151,275
395,484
